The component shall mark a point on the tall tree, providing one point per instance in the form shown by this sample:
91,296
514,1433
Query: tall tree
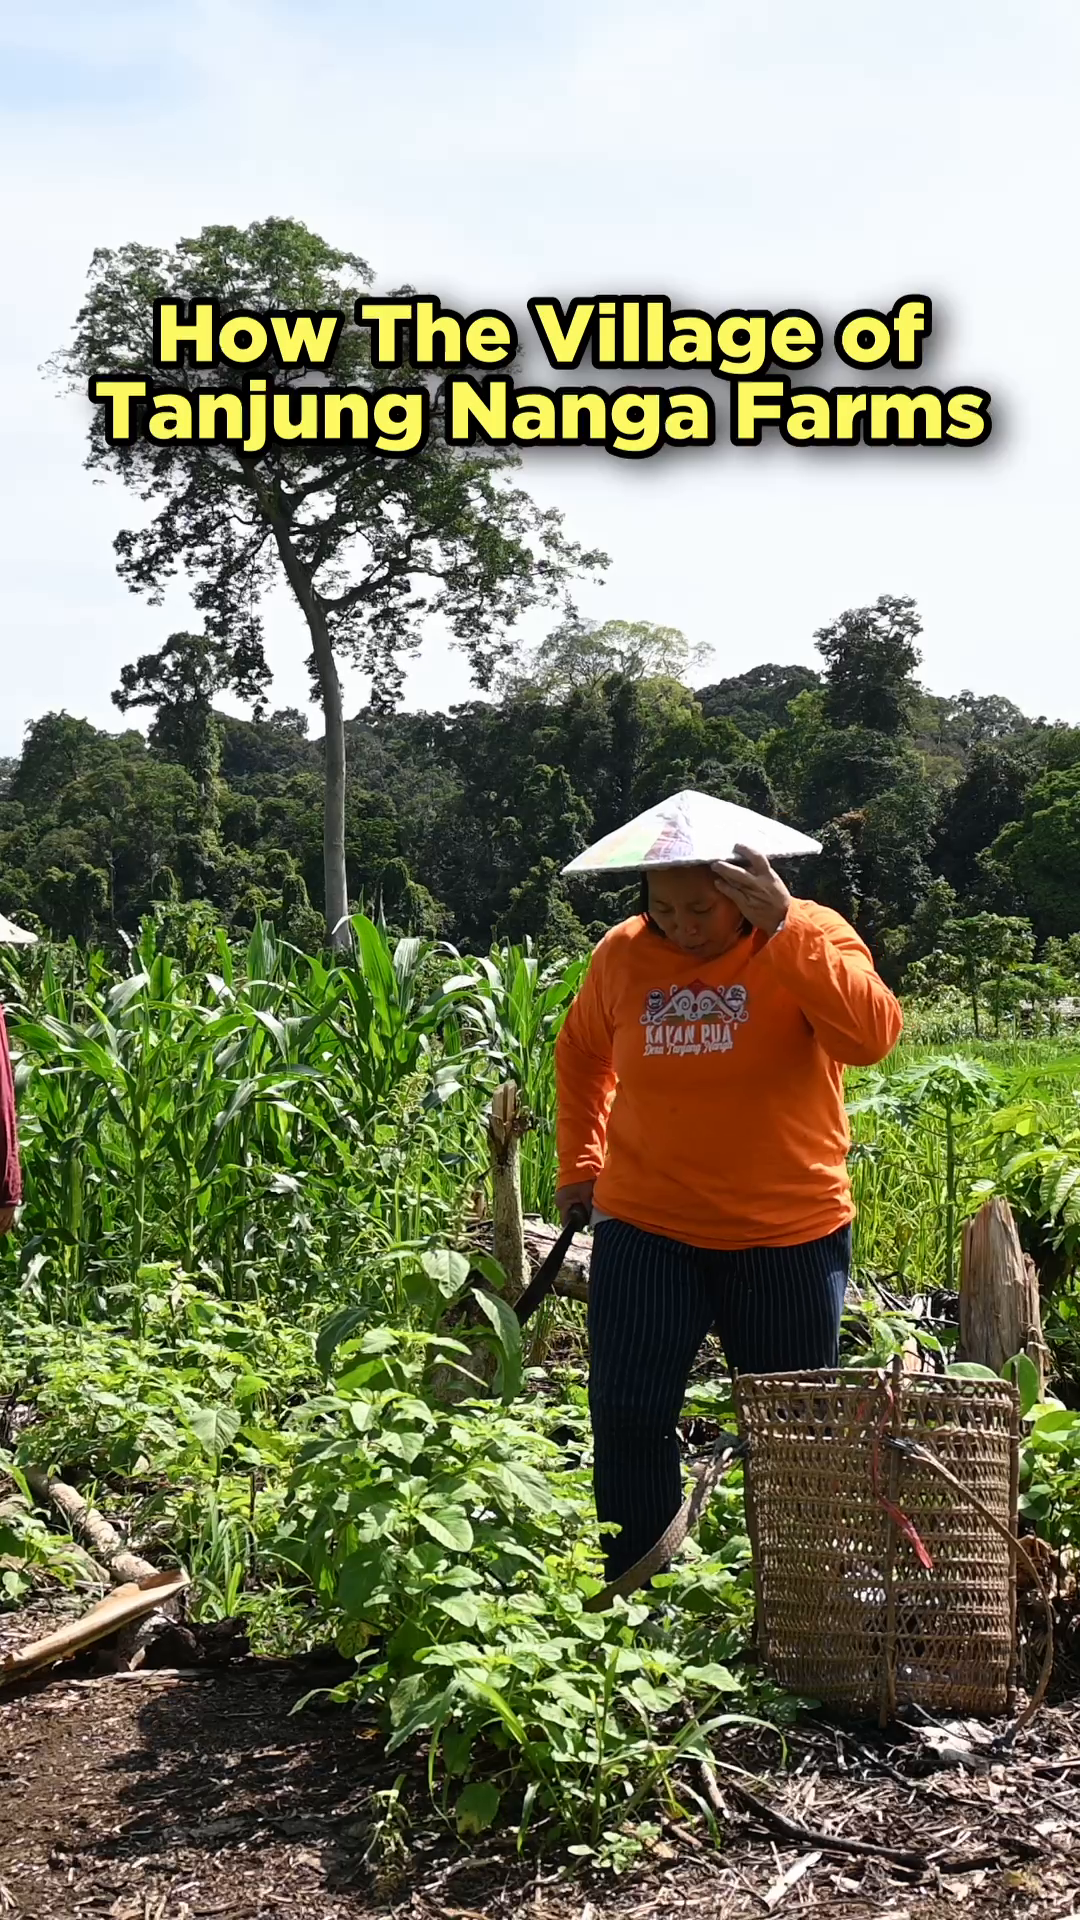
847,768
988,716
179,683
896,838
982,803
1041,853
579,652
870,656
371,545
58,749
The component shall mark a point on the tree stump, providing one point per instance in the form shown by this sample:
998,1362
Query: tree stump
503,1236
518,1244
506,1123
999,1294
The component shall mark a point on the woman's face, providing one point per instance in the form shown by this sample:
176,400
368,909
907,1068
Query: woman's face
687,908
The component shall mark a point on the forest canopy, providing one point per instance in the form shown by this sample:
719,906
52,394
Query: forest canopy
931,809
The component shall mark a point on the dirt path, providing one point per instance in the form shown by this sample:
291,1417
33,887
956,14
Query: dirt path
158,1799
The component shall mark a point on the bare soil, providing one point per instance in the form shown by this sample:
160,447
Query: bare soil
158,1797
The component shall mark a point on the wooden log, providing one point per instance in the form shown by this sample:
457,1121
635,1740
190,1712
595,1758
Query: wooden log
573,1280
999,1294
136,1629
103,1541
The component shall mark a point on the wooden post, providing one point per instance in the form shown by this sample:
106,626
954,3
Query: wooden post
999,1294
506,1124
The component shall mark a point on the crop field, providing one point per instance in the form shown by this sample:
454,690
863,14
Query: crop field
242,1281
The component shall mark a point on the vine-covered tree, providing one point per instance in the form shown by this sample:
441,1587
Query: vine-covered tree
758,700
870,656
179,683
372,546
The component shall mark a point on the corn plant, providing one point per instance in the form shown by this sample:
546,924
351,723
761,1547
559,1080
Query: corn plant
512,1015
228,1121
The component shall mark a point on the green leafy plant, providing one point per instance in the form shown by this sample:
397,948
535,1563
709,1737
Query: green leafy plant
461,1544
30,1554
941,1099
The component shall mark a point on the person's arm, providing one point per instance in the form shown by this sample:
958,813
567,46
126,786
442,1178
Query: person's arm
10,1172
830,974
584,1081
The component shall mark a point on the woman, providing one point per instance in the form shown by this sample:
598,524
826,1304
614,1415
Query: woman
10,1174
701,1118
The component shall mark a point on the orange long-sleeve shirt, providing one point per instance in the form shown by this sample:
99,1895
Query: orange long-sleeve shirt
707,1099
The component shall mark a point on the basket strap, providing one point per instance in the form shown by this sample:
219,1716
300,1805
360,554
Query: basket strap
727,1450
896,1515
914,1450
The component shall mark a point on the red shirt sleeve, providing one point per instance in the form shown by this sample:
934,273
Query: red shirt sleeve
10,1171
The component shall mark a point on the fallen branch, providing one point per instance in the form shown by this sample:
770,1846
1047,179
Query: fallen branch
122,1566
793,1830
122,1608
808,1837
126,1570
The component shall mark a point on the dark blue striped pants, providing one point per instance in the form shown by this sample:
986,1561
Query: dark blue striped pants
651,1304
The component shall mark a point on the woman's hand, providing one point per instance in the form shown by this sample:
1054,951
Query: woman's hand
7,1219
759,892
576,1196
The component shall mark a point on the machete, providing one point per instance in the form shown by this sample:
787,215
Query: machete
543,1281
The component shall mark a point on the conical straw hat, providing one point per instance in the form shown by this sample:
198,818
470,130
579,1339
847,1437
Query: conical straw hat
13,936
687,830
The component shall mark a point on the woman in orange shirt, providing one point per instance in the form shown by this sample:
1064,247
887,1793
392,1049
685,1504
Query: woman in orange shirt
701,1119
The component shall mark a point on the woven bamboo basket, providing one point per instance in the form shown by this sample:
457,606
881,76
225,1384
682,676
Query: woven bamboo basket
847,1505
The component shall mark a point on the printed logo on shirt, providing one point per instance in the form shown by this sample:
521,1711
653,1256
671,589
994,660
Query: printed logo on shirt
693,1019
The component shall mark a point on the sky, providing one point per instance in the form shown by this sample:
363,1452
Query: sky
754,153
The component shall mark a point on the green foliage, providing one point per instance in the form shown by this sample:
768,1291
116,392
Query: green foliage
245,1177
936,1137
988,796
847,768
31,1556
989,955
207,1119
1050,1474
580,652
188,1386
510,1018
759,700
539,910
1041,852
458,1545
943,1099
458,825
